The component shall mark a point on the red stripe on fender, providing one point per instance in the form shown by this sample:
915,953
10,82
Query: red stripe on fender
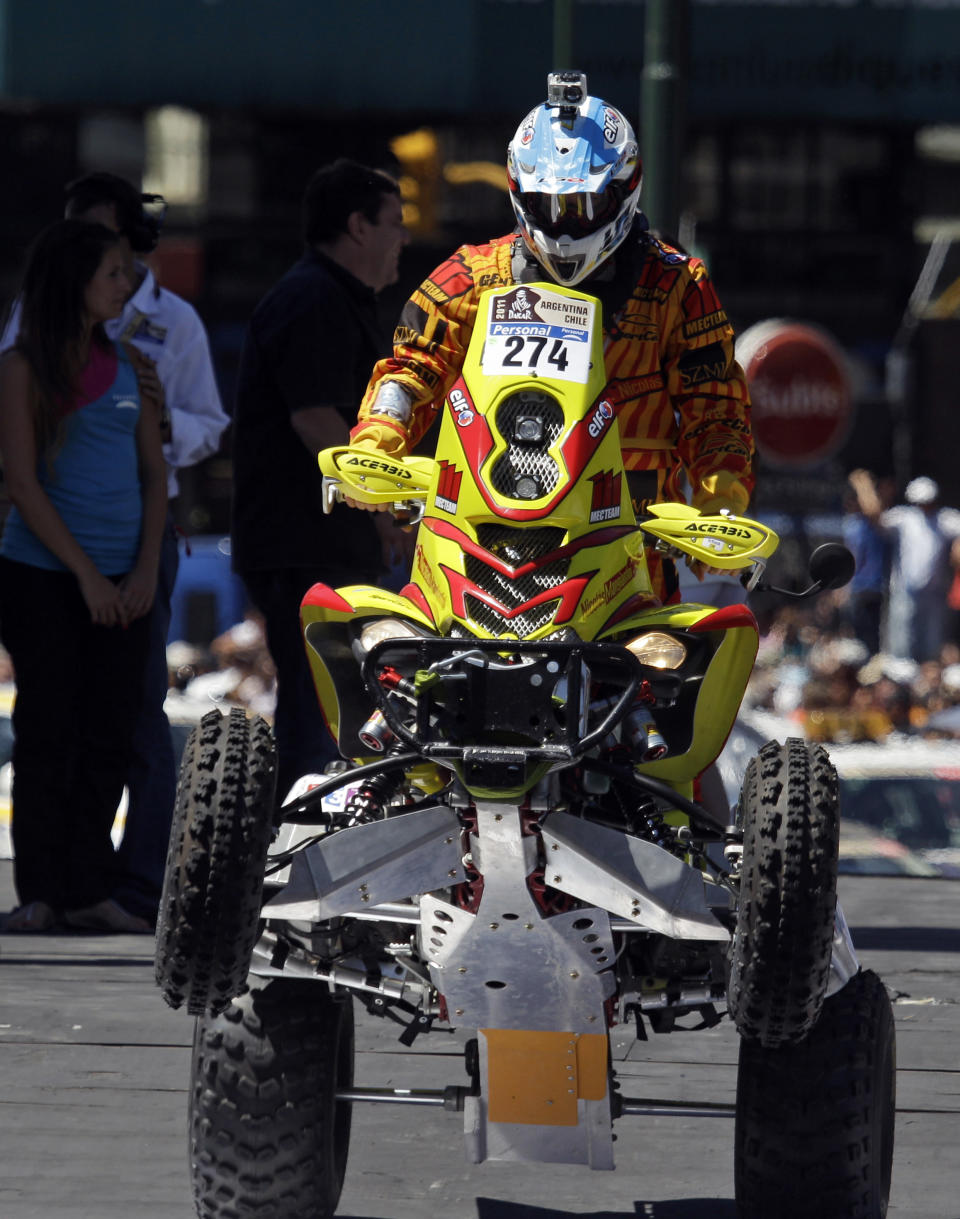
726,618
327,598
415,594
633,605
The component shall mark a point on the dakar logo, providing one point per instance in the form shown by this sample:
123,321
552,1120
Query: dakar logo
520,305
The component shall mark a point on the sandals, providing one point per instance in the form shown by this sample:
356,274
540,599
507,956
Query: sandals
108,915
34,916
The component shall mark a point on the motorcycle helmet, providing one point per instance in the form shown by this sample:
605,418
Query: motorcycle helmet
574,174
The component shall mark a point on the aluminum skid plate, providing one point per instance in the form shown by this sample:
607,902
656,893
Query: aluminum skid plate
535,987
364,865
630,877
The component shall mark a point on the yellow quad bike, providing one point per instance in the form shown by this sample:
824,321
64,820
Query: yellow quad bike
513,845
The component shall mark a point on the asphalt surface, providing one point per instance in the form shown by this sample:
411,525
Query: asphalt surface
94,1074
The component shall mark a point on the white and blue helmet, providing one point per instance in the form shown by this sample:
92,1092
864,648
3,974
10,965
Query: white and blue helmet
574,174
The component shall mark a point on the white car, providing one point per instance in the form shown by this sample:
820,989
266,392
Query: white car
899,800
908,793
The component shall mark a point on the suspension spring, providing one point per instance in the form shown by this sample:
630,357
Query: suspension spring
369,802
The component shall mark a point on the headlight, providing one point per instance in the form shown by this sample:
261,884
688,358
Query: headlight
380,629
658,650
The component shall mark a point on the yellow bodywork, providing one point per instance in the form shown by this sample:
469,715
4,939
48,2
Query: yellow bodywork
606,591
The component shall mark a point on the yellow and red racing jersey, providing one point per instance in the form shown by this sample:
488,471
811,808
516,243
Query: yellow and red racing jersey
681,399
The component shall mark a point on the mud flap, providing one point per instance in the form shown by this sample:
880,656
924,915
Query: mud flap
543,1098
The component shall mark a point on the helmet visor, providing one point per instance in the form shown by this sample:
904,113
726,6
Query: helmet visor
575,215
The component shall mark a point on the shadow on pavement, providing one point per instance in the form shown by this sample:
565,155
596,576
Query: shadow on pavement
906,939
79,962
688,1208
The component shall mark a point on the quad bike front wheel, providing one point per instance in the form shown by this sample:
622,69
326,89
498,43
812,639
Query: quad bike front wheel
212,890
781,949
267,1133
815,1121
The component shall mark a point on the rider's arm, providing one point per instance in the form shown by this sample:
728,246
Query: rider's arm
710,395
407,388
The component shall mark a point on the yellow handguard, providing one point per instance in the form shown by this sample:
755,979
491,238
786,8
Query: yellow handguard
722,540
355,472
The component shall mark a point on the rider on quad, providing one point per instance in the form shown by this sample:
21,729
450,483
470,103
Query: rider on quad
679,396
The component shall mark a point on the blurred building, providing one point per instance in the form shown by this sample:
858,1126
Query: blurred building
821,175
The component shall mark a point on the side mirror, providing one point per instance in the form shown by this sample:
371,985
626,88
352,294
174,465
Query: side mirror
832,565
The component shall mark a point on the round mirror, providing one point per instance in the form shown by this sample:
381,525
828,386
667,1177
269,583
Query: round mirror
832,565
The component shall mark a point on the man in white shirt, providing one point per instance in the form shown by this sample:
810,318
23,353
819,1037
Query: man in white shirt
921,533
176,363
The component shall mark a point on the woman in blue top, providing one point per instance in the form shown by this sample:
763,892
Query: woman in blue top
84,470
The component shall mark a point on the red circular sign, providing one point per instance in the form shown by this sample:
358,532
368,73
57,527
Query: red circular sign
800,389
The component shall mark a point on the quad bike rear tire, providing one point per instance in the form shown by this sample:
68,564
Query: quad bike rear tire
780,955
815,1121
213,886
268,1136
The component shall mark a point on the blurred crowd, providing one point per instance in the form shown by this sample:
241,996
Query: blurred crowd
813,673
234,670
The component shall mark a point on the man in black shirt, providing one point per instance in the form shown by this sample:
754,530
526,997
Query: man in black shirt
306,360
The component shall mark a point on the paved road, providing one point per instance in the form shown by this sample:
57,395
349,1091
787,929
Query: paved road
94,1071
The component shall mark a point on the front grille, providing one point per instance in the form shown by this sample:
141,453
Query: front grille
526,467
516,547
522,626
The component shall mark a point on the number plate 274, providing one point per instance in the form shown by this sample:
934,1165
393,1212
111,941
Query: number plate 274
554,342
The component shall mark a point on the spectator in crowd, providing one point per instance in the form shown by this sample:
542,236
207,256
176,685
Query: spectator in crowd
169,346
866,593
308,352
920,534
82,457
953,595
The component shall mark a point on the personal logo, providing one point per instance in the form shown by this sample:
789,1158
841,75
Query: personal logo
606,496
448,487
